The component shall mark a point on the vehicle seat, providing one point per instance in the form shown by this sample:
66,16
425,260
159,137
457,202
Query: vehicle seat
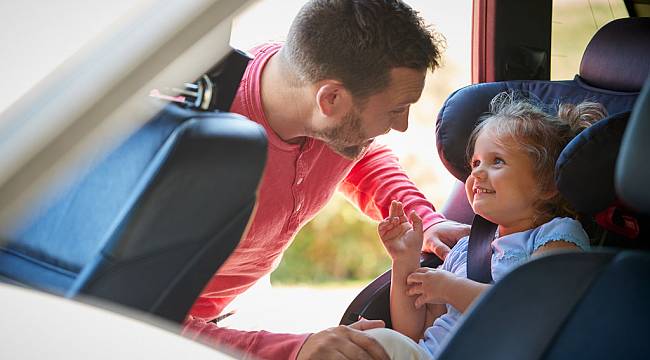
617,51
150,223
583,305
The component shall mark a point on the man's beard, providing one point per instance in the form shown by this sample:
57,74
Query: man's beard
346,139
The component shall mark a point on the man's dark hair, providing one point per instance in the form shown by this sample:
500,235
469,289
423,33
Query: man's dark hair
358,42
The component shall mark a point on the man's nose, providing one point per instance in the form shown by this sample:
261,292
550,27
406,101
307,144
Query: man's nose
401,124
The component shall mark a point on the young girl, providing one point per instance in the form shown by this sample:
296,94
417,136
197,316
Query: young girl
512,156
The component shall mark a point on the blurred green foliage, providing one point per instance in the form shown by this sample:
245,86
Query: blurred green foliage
340,244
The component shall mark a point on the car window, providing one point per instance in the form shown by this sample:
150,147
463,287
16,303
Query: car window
574,24
38,36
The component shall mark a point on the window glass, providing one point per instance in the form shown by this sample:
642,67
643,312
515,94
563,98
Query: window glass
37,36
574,24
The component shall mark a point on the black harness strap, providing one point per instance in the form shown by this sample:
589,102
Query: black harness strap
479,250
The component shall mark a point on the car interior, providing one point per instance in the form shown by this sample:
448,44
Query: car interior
578,305
107,235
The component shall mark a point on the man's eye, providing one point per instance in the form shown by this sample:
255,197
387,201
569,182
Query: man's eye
398,111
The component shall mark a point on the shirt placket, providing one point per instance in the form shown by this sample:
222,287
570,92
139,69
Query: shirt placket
297,190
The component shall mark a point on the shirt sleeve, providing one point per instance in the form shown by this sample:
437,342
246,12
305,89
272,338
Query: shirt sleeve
377,179
244,344
565,229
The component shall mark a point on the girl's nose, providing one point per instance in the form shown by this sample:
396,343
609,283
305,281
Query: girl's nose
478,172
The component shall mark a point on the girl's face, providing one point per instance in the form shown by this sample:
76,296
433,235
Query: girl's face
502,186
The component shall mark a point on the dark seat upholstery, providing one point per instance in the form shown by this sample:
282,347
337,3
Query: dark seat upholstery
542,309
150,223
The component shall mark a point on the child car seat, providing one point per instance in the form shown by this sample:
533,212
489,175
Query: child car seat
611,73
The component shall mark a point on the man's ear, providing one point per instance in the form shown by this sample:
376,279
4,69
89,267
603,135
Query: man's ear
332,98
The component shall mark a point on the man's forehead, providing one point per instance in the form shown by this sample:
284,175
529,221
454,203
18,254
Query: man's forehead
405,86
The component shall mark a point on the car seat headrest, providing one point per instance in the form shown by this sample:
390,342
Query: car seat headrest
617,56
584,171
462,110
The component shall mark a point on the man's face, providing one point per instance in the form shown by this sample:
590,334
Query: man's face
381,112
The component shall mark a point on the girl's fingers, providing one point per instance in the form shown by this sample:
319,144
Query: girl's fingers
414,290
396,231
392,211
417,223
419,301
419,275
400,212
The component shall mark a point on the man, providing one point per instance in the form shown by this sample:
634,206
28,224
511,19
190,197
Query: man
347,73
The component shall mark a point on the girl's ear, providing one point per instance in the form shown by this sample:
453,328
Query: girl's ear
332,98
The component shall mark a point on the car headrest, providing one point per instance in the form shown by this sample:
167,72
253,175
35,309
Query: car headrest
617,56
462,110
584,171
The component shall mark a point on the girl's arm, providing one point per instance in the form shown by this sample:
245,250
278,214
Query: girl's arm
462,292
403,242
406,318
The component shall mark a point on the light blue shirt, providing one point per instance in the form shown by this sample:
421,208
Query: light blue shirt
508,252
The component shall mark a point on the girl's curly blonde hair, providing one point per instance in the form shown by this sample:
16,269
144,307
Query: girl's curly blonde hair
524,122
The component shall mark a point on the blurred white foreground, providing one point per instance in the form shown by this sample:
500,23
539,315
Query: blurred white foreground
289,309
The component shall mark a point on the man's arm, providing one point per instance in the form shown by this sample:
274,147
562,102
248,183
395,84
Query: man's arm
349,342
377,179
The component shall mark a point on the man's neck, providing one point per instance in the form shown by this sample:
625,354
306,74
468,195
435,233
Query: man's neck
285,105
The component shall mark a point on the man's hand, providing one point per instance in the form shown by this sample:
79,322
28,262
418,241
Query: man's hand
344,342
441,237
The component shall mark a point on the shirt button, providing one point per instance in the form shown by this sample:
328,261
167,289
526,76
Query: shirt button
299,181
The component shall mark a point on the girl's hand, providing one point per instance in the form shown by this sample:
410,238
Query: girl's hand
429,285
399,237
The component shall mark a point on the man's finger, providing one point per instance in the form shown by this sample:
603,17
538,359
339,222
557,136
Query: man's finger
365,324
369,345
441,250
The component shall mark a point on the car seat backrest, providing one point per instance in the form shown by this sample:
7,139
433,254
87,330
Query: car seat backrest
622,42
582,305
603,62
150,223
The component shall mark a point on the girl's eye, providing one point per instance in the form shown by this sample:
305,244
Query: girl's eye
499,161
